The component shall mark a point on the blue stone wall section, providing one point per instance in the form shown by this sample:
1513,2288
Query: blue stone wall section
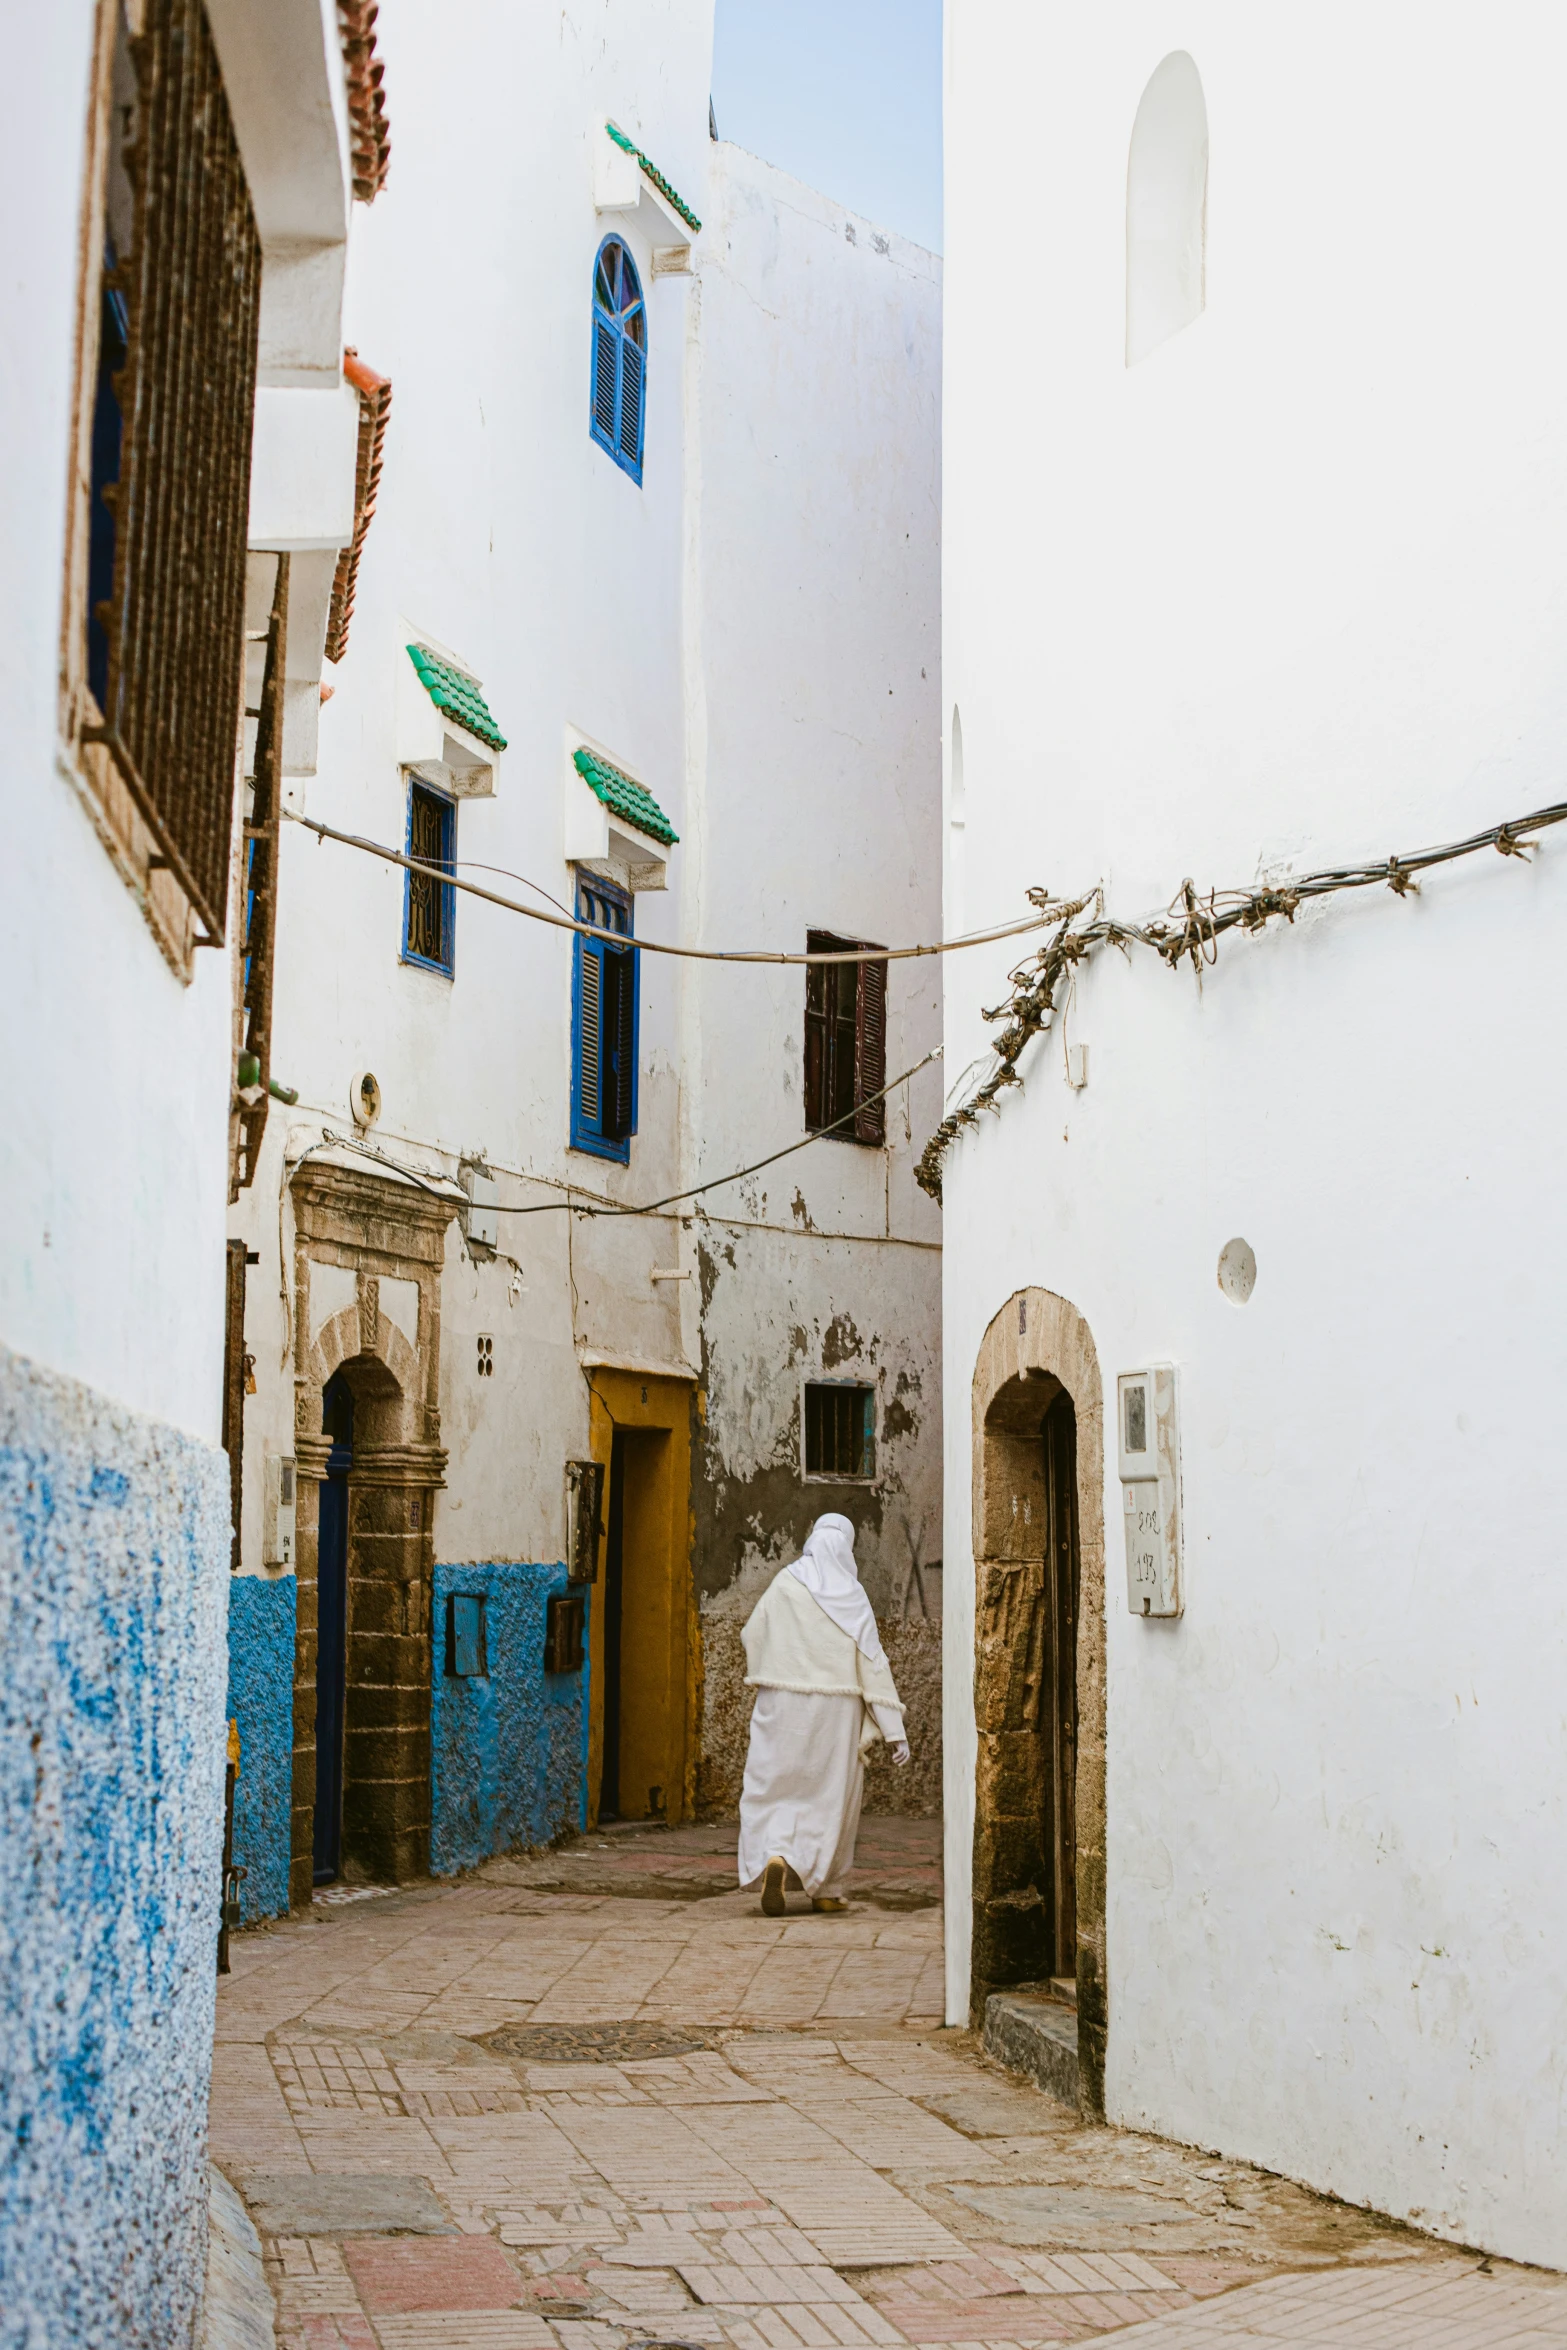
508,1751
114,1547
261,1701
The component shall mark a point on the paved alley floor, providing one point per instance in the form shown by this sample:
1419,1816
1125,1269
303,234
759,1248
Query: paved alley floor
595,2099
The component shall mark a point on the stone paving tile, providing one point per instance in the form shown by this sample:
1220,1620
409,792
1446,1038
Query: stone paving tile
828,2176
396,2276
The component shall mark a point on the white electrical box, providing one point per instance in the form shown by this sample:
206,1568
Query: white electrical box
278,1514
482,1221
1148,1444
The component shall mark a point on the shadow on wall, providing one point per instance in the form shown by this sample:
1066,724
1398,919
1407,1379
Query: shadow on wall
914,1653
261,1702
508,1743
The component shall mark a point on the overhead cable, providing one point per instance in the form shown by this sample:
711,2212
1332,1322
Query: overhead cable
652,946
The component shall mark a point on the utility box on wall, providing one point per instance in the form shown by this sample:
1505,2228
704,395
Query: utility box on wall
277,1517
1149,1459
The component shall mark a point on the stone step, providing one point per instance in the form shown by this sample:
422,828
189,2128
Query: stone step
1036,2037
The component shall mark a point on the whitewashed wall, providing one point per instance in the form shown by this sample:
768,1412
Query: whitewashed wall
112,1163
1290,592
753,632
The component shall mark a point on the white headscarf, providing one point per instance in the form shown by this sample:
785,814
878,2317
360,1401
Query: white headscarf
826,1567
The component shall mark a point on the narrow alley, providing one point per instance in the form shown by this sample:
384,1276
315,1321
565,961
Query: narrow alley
594,2099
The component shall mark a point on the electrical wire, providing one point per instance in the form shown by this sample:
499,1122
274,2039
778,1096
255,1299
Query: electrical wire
430,1178
1039,920
714,1182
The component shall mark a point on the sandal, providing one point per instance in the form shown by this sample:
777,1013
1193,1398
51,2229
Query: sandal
774,1877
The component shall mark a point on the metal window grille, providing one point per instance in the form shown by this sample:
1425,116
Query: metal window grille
839,1431
260,893
428,921
175,618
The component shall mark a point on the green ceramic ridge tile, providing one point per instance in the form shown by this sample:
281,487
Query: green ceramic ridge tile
455,692
623,796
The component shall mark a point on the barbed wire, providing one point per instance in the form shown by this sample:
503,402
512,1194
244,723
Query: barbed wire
1191,934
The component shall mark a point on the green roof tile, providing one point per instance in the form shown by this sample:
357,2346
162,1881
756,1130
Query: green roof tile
623,797
455,692
653,173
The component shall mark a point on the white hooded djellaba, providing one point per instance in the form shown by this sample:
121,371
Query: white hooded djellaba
824,1695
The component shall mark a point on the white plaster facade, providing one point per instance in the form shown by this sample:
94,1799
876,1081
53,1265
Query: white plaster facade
1284,593
752,632
118,1066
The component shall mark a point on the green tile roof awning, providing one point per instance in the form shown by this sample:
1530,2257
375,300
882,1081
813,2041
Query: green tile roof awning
455,692
624,798
652,172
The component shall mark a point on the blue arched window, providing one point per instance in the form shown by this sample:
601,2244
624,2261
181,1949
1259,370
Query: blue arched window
619,357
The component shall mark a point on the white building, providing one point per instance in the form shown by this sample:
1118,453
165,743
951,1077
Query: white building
658,516
1256,478
183,177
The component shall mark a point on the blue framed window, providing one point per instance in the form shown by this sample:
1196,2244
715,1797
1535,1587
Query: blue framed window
619,401
604,1027
429,905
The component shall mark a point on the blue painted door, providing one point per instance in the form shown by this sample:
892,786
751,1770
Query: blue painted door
332,1629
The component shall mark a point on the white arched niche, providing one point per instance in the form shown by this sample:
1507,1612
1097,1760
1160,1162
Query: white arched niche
1166,208
957,819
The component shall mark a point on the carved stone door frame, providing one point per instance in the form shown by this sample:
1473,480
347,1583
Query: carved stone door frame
368,1255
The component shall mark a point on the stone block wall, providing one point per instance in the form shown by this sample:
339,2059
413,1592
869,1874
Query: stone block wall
509,1749
114,1574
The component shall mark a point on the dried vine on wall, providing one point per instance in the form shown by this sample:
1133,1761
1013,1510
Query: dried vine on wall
1189,933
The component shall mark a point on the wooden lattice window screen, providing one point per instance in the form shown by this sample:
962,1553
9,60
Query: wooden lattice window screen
175,619
258,905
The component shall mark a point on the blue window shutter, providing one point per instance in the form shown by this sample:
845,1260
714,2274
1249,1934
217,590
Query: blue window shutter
590,1062
605,358
618,391
631,383
604,1029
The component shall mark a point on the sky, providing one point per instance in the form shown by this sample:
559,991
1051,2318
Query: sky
844,94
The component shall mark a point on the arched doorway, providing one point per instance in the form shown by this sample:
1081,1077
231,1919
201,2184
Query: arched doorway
1038,1865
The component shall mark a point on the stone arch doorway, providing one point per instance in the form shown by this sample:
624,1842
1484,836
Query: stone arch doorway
368,1256
1039,1800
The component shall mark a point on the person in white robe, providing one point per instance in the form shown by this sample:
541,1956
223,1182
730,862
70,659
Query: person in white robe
824,1697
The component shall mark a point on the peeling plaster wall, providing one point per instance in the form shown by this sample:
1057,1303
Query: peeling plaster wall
507,1748
261,1701
819,400
1219,627
114,1546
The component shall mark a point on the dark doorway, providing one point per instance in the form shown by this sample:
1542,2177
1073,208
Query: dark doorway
1025,1694
1060,1437
614,1589
337,1422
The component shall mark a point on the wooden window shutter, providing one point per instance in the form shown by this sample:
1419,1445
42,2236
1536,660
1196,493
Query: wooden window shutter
870,1052
816,1038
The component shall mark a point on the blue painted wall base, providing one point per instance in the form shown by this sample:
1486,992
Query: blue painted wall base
261,1700
114,1550
508,1748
